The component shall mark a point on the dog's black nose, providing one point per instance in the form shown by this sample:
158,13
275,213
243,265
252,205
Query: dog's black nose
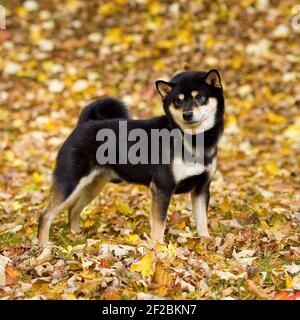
187,116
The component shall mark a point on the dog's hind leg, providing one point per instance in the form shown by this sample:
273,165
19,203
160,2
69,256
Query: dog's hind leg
55,205
87,195
58,202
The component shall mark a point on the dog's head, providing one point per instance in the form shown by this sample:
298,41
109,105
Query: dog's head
194,100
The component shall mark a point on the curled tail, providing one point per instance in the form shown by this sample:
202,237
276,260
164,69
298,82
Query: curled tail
104,109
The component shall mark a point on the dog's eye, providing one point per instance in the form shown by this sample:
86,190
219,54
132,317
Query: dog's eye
200,99
178,103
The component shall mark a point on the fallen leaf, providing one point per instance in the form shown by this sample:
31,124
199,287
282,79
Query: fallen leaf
3,262
257,291
11,275
118,250
144,265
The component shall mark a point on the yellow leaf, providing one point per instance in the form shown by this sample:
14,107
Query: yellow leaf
154,7
172,249
121,2
36,177
88,223
159,65
41,77
18,163
35,36
181,225
159,247
144,265
71,296
123,208
225,206
21,11
72,4
264,225
165,44
293,131
272,168
210,42
87,274
230,120
184,37
16,205
47,65
275,118
133,239
236,62
115,35
50,125
266,92
8,155
106,9
288,282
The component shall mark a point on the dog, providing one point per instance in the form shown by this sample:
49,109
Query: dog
193,103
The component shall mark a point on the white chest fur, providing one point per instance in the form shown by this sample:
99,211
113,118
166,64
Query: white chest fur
182,170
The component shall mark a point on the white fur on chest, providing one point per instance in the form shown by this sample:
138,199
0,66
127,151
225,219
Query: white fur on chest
183,170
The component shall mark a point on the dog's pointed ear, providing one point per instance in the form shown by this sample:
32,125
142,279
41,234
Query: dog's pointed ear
163,87
213,78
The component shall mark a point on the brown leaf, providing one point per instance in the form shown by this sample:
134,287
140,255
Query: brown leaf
110,296
254,289
4,35
228,243
162,279
11,275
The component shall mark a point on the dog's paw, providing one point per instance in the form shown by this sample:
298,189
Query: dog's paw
149,243
203,234
208,241
76,228
206,236
76,236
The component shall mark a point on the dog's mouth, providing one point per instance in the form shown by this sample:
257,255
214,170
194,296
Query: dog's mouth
191,121
194,122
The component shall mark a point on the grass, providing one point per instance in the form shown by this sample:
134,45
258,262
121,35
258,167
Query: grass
11,239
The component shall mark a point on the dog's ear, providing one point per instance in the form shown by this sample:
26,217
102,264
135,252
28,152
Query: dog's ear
213,78
163,87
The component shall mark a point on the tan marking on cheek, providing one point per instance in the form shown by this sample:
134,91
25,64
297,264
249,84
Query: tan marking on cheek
213,103
177,116
181,96
176,113
194,93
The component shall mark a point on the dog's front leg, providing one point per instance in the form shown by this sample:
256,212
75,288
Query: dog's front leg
160,204
200,200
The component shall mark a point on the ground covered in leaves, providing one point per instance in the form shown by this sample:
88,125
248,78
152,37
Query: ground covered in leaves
56,56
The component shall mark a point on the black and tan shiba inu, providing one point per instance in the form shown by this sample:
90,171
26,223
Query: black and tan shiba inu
193,103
